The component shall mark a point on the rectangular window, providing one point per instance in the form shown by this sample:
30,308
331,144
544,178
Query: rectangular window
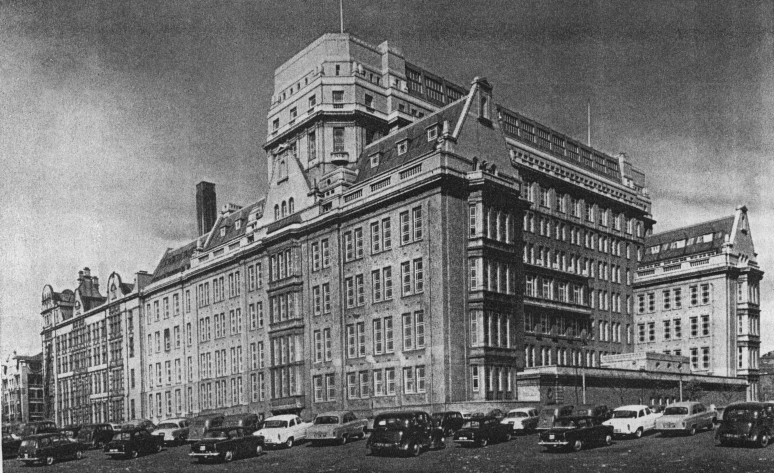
351,348
705,358
473,223
408,381
677,292
678,328
389,344
667,330
328,344
705,325
408,332
695,358
326,294
376,286
419,278
694,326
338,139
405,228
360,286
378,383
420,379
417,219
378,337
405,269
317,300
330,387
694,290
641,333
667,300
352,386
705,293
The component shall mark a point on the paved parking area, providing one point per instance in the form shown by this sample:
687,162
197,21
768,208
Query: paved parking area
652,453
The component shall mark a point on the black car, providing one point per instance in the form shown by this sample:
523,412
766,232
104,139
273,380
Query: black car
71,430
746,423
574,432
46,448
404,432
10,445
449,421
481,431
249,422
129,443
39,427
599,412
226,443
95,435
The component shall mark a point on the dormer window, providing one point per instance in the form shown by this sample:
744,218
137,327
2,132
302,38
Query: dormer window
484,111
222,231
432,133
374,159
238,224
312,101
369,101
402,147
275,124
293,113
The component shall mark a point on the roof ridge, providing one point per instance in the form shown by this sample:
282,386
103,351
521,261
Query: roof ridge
685,227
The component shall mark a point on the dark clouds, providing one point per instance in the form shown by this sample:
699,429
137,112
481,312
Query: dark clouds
112,111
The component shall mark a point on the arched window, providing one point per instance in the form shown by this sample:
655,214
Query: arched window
276,212
283,169
291,206
284,208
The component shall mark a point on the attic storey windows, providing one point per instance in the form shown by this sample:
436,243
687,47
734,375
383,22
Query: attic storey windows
402,147
374,159
338,139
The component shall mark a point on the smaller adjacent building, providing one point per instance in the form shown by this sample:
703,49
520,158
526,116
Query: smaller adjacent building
697,295
22,378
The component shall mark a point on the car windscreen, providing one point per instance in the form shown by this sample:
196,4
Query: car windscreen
167,425
624,414
564,424
324,420
517,414
216,434
740,414
275,424
391,423
123,436
471,424
676,411
32,443
28,430
548,412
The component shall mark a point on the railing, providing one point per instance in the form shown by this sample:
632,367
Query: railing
411,172
354,195
380,185
699,262
674,267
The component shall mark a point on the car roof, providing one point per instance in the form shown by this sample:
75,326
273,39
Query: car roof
480,418
574,417
334,413
683,404
631,407
748,405
45,434
282,417
401,413
523,409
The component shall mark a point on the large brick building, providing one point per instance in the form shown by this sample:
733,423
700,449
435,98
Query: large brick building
698,295
22,388
417,245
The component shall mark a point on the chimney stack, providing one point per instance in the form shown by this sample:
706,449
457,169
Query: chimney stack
206,206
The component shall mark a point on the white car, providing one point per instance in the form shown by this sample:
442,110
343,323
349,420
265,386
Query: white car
174,431
284,430
523,419
632,420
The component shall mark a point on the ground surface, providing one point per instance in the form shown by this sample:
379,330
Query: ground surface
652,453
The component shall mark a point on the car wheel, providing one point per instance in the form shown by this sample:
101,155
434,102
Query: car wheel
508,437
258,450
49,461
78,454
577,446
441,443
413,449
228,456
289,442
692,431
638,433
158,448
98,445
608,440
343,439
483,442
763,439
133,454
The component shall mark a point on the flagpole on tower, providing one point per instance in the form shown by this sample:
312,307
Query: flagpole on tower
588,123
341,14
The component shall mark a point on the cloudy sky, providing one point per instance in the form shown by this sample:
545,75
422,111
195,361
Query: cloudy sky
111,112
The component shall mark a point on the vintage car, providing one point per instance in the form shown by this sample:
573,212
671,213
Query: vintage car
599,412
719,414
95,435
549,413
128,443
249,422
522,419
39,427
336,426
139,424
449,421
201,424
173,431
285,430
46,448
745,423
226,443
407,432
574,432
632,420
71,430
481,431
10,445
685,417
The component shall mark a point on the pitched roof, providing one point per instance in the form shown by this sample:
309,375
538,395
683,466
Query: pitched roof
174,260
700,238
416,136
90,295
228,223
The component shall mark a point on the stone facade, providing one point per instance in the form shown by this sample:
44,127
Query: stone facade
22,389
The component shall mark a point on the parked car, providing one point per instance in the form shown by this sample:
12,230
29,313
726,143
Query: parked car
632,420
481,431
549,413
719,414
449,421
201,424
745,423
658,408
139,424
598,412
574,432
10,445
95,435
39,427
685,417
71,430
173,431
49,447
226,443
522,419
129,443
336,426
285,429
249,422
407,432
